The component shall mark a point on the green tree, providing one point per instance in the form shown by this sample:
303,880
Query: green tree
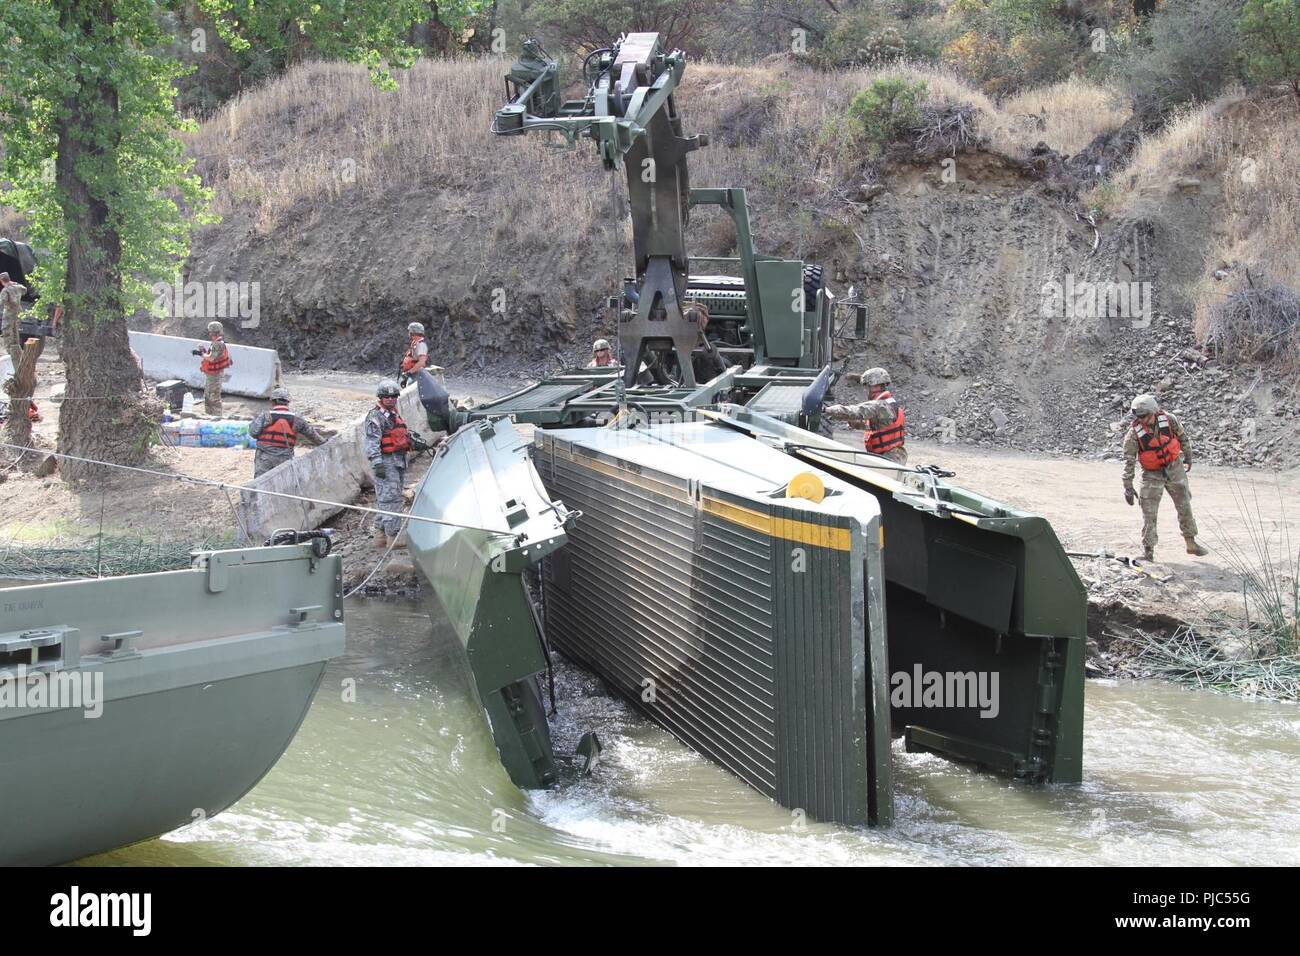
1270,34
96,168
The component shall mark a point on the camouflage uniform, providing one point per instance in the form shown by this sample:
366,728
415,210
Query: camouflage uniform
1155,482
876,415
11,302
388,490
271,456
212,388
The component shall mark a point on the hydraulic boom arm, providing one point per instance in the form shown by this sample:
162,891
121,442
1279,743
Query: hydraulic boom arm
629,112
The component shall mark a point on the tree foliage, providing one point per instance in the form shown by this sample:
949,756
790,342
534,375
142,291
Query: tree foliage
95,165
1270,33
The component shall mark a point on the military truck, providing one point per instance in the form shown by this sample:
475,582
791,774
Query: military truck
783,603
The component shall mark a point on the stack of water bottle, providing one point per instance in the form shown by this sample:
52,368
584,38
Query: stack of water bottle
203,433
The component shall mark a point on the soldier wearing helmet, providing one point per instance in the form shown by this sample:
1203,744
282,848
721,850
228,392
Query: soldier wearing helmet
881,417
387,441
11,303
277,432
417,354
602,356
1157,441
215,361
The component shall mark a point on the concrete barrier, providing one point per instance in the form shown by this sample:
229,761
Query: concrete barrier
254,372
335,471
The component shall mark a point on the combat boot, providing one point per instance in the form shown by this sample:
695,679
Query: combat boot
1196,549
1148,554
381,540
399,541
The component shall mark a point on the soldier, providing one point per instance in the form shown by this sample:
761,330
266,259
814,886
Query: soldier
216,359
706,361
417,354
602,356
1158,442
386,444
11,302
881,416
277,432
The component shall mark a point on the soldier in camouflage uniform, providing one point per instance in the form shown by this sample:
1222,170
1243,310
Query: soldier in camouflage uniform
881,417
216,359
11,303
1157,441
277,432
386,443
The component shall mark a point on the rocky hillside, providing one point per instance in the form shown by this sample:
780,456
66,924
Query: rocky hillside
358,211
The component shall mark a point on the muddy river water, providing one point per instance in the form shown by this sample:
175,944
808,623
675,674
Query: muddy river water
395,765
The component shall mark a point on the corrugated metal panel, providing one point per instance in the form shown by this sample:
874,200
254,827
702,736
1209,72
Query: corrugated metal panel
735,623
779,399
542,396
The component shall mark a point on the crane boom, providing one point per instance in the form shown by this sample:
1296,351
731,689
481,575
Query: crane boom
630,113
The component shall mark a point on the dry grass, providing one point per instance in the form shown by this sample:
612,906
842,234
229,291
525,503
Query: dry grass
323,129
1243,151
1069,114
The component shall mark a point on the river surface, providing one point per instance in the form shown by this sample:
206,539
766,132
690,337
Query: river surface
395,764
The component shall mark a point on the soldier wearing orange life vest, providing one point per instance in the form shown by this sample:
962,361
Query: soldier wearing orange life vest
387,441
417,354
215,360
1158,443
881,417
277,432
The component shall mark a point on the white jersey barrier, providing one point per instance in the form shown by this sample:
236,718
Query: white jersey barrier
253,373
336,471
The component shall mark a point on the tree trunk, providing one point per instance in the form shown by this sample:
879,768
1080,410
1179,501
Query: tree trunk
18,430
102,416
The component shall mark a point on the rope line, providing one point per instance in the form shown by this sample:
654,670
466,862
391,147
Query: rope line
213,483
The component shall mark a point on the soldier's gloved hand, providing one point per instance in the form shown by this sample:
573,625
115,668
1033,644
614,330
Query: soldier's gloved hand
1130,496
381,470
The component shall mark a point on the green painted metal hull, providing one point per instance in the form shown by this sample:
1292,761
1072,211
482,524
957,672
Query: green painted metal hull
206,677
482,478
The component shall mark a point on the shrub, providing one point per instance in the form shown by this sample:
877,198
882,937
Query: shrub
885,111
1186,53
1270,35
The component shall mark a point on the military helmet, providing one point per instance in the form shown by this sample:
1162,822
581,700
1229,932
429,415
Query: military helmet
1145,405
280,394
215,327
875,376
415,328
388,389
600,345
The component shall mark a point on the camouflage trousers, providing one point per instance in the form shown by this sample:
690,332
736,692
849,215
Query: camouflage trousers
897,455
1172,479
264,459
212,395
388,497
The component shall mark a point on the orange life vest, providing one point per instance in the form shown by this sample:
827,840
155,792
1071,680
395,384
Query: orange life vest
409,361
886,439
210,366
1157,449
278,432
395,437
